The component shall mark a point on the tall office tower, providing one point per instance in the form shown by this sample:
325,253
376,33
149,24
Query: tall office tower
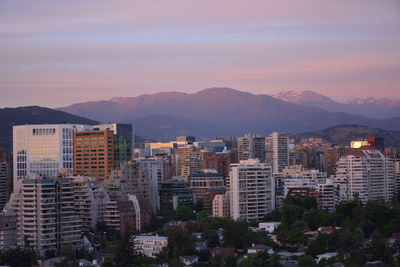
90,199
277,146
188,160
217,161
367,173
102,149
205,185
252,189
251,146
124,140
43,149
134,178
46,216
5,176
94,153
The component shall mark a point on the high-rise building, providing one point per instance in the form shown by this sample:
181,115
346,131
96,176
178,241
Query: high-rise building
367,173
328,195
125,215
94,153
277,146
5,176
47,220
175,194
90,199
252,190
123,140
205,185
135,178
221,206
331,156
8,230
188,160
251,146
217,161
45,149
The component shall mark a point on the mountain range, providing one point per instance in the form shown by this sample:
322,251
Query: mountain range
32,115
227,112
371,107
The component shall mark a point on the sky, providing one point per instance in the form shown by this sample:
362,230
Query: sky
54,53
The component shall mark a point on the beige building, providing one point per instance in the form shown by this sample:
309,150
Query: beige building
221,206
277,146
47,220
188,160
251,146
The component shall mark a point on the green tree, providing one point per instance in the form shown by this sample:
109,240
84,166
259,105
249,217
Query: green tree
350,240
306,261
212,238
318,246
180,240
296,236
18,257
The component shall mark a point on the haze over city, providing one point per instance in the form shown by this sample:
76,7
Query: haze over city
57,53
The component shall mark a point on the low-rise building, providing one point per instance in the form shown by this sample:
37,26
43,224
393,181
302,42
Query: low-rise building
189,260
269,227
149,245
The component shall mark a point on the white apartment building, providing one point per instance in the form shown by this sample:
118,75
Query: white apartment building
277,146
298,182
90,199
47,220
252,190
149,245
328,195
366,173
269,227
46,149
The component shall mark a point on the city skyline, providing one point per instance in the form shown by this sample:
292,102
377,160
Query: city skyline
59,54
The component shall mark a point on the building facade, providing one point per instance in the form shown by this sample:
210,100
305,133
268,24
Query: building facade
252,189
45,149
47,220
277,146
251,146
366,173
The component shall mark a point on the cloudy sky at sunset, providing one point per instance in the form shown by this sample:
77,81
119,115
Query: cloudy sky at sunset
54,53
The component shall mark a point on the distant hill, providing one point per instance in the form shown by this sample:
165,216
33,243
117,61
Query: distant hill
370,107
343,134
32,115
217,112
